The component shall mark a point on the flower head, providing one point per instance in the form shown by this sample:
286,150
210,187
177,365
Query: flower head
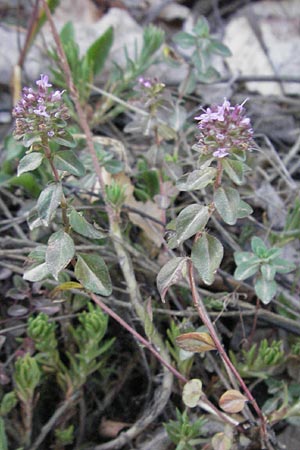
223,129
40,113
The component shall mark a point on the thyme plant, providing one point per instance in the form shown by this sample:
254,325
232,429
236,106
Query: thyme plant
225,137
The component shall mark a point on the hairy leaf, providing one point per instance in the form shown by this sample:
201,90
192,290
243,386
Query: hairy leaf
83,227
171,273
207,254
227,201
59,252
48,202
67,160
191,219
30,162
93,274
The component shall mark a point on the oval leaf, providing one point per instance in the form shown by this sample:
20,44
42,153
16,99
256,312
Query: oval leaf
17,310
83,227
30,162
48,202
191,219
192,392
234,169
68,161
93,274
59,252
207,254
221,441
244,210
227,201
232,401
195,342
246,269
265,290
198,179
36,273
170,273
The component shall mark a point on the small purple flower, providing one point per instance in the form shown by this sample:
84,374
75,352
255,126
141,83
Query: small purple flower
145,82
43,82
224,129
56,96
40,113
220,153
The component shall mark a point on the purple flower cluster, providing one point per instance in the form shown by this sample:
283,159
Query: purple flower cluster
224,129
40,113
145,82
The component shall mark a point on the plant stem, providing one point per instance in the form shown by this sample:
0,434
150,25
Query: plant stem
27,420
165,389
63,202
207,322
219,175
140,338
204,402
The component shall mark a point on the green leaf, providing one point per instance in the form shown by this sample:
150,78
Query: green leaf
191,219
93,274
198,62
208,76
113,166
227,201
27,181
67,33
3,438
12,148
184,40
34,220
198,179
218,48
265,290
30,162
171,273
268,272
38,254
244,210
282,265
83,227
66,140
67,160
207,254
36,273
8,402
48,202
234,169
201,28
258,246
246,269
97,53
242,257
59,252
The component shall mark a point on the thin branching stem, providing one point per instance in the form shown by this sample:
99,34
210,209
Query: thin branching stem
199,305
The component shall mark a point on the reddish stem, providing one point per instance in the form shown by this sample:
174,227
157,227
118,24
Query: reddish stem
140,338
207,322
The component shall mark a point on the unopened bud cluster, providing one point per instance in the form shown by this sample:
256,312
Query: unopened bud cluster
40,113
224,129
